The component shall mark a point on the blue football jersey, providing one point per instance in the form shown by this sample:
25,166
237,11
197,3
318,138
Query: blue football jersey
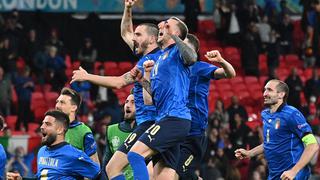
3,160
63,161
282,133
201,74
170,84
144,112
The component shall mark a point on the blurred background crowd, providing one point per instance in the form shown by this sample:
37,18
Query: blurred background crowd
39,51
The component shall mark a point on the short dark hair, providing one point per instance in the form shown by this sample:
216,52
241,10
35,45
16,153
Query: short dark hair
151,29
194,41
60,117
282,87
75,96
182,27
1,122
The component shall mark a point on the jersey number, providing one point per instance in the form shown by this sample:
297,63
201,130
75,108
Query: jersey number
153,129
44,174
130,138
155,69
268,135
189,160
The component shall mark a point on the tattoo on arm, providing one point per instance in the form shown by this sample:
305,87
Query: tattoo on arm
188,54
128,78
146,85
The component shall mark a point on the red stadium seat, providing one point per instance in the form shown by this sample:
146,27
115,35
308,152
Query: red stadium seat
111,68
245,98
32,127
255,87
96,66
110,65
239,87
39,113
282,73
308,73
263,66
51,98
11,121
207,27
47,87
68,62
125,67
76,65
262,80
229,50
224,87
237,80
293,60
226,97
249,80
212,43
235,60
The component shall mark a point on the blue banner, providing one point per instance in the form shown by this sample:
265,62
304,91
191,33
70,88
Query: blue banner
293,5
101,6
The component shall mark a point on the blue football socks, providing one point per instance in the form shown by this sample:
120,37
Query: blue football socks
139,167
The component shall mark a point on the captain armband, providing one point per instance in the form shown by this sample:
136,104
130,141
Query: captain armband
309,139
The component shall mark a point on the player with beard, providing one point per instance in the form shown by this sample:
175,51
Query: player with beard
288,142
56,158
3,157
143,42
169,89
116,134
79,135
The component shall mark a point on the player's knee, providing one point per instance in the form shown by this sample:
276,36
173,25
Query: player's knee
113,169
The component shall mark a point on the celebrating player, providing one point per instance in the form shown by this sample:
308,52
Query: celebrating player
57,159
79,135
170,85
143,41
194,147
288,142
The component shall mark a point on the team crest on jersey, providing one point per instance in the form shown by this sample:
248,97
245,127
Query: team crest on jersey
165,55
115,141
277,125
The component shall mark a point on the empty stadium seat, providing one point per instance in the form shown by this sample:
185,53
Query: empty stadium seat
249,80
96,66
124,67
32,127
239,87
11,121
51,98
262,80
111,68
229,50
237,80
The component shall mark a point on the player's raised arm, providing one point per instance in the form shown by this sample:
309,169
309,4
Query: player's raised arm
145,82
106,81
227,70
187,53
126,23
